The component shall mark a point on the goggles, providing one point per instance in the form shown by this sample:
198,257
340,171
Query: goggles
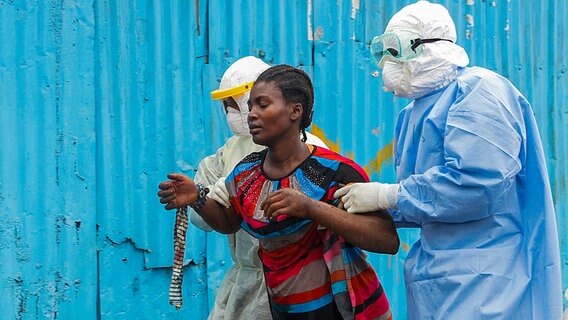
398,47
231,92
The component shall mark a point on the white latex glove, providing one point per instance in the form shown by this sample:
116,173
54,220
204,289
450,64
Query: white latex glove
219,193
367,197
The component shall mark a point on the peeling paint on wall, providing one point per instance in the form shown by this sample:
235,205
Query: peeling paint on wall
470,25
354,8
309,21
317,131
383,156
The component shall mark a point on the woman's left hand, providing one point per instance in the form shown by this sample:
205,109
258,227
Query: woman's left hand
288,202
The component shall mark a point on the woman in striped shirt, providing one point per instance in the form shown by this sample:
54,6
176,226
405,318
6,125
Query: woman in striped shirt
311,250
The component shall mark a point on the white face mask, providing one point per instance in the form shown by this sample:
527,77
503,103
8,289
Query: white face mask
424,74
392,76
237,123
403,82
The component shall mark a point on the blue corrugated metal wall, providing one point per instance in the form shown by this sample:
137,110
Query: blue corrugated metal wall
99,99
48,252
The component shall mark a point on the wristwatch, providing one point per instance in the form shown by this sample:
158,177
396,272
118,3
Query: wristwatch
202,192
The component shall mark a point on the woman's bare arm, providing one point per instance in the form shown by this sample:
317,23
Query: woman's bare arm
221,219
373,231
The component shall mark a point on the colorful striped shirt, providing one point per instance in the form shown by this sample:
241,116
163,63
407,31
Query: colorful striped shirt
310,272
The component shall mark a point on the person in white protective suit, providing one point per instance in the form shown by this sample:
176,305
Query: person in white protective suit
242,294
471,174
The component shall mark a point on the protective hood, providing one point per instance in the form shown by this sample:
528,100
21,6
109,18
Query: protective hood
241,72
438,63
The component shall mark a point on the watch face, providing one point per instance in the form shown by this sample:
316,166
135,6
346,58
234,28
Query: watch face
201,193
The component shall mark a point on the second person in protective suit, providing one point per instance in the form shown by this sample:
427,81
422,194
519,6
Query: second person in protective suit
471,175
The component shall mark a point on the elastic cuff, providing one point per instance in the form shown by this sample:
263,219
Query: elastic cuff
392,195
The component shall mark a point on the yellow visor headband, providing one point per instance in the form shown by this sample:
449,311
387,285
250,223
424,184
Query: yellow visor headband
231,92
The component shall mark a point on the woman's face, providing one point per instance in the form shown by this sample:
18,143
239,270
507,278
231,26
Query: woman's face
271,117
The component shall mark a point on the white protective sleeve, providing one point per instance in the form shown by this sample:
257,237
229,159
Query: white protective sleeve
209,170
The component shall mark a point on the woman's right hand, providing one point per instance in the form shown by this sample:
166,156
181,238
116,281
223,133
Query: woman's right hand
179,191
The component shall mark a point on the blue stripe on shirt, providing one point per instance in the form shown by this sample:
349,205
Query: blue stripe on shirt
305,307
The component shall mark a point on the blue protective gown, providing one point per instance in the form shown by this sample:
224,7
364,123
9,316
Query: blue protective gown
473,177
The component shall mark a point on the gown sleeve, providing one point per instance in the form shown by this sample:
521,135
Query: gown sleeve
209,170
482,143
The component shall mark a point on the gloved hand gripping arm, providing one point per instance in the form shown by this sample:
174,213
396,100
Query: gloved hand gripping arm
368,197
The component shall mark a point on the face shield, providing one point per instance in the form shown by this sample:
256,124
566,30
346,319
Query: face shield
236,117
236,83
236,113
221,94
